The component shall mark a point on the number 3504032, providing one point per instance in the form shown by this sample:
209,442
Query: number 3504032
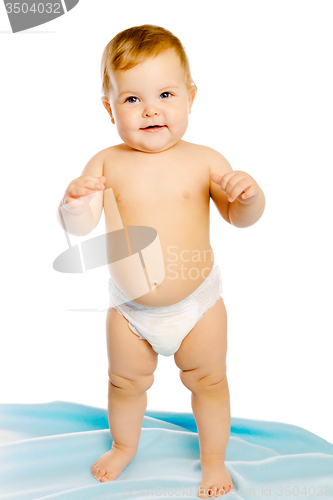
35,8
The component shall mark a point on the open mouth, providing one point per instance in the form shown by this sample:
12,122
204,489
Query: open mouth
153,127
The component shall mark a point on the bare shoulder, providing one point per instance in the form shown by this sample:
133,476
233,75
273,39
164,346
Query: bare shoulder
95,165
214,160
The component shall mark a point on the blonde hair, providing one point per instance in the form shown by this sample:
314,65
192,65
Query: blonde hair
133,45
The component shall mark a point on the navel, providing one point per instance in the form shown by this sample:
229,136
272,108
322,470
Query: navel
118,198
186,194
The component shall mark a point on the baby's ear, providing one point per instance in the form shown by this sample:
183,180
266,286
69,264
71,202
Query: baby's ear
106,104
191,95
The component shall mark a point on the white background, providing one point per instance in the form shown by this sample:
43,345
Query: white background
264,74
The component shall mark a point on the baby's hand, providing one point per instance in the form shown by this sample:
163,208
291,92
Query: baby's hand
238,185
80,192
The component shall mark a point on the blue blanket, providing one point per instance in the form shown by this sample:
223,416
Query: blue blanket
46,452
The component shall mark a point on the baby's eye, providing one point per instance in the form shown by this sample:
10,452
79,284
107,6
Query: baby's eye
129,99
165,94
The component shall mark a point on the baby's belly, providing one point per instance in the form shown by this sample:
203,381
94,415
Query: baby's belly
177,258
182,277
185,265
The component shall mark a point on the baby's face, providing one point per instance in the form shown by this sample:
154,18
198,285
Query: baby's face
152,94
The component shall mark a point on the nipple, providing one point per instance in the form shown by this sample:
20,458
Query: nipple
186,194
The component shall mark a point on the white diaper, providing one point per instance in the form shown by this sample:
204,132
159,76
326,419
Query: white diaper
165,327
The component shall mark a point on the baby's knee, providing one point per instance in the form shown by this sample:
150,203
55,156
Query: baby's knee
210,383
130,386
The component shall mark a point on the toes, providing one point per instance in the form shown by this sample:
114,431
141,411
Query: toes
109,476
102,475
213,491
97,473
221,491
224,490
230,487
204,490
227,488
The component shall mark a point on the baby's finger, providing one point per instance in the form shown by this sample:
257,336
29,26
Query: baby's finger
89,182
216,178
238,189
223,180
228,181
250,192
231,179
98,183
79,191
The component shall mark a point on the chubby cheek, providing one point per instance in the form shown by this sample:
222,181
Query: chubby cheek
125,118
179,115
124,121
180,123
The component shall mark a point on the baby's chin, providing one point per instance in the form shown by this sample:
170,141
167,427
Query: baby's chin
151,148
152,151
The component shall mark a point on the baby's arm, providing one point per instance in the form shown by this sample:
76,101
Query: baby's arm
81,206
237,196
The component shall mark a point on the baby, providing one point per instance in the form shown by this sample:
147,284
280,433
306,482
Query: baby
160,181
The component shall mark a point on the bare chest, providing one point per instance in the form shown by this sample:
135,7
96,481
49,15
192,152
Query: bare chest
158,189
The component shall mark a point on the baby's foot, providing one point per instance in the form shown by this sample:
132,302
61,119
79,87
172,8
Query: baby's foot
216,479
110,465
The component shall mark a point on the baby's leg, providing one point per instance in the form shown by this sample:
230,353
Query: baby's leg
202,360
132,363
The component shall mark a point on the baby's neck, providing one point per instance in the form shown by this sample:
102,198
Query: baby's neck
166,151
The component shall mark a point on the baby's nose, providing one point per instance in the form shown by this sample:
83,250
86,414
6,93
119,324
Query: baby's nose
150,111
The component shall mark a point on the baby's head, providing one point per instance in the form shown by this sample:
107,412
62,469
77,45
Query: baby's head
146,82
